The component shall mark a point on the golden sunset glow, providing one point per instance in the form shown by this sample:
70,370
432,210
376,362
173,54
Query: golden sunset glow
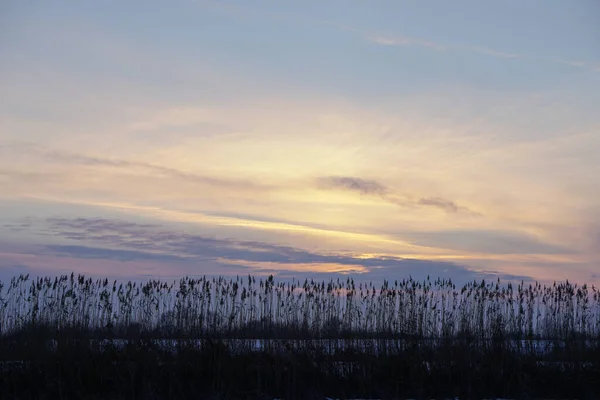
359,147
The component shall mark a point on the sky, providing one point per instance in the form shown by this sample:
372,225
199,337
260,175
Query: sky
306,139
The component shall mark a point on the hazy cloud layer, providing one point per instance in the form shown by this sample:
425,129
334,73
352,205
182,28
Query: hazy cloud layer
108,254
485,241
402,130
117,240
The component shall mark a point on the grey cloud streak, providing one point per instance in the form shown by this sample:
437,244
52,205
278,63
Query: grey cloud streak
444,204
369,187
353,184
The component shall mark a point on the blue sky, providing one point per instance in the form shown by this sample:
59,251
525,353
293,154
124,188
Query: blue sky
310,139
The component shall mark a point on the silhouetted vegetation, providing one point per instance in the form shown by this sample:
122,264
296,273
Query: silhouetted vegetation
72,337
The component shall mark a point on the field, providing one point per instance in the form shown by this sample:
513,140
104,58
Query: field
73,337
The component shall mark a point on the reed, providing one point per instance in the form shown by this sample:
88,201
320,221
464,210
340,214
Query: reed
216,306
247,337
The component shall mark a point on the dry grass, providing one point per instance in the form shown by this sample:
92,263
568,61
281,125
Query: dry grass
265,308
338,338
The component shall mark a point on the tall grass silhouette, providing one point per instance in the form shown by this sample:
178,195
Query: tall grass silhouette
248,337
263,308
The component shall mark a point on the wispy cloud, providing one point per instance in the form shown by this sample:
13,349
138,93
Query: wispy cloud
110,254
592,66
71,158
385,40
155,238
400,41
353,184
124,241
394,40
485,241
369,187
97,225
62,156
444,204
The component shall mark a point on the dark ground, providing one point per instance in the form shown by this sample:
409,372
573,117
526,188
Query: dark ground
143,369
